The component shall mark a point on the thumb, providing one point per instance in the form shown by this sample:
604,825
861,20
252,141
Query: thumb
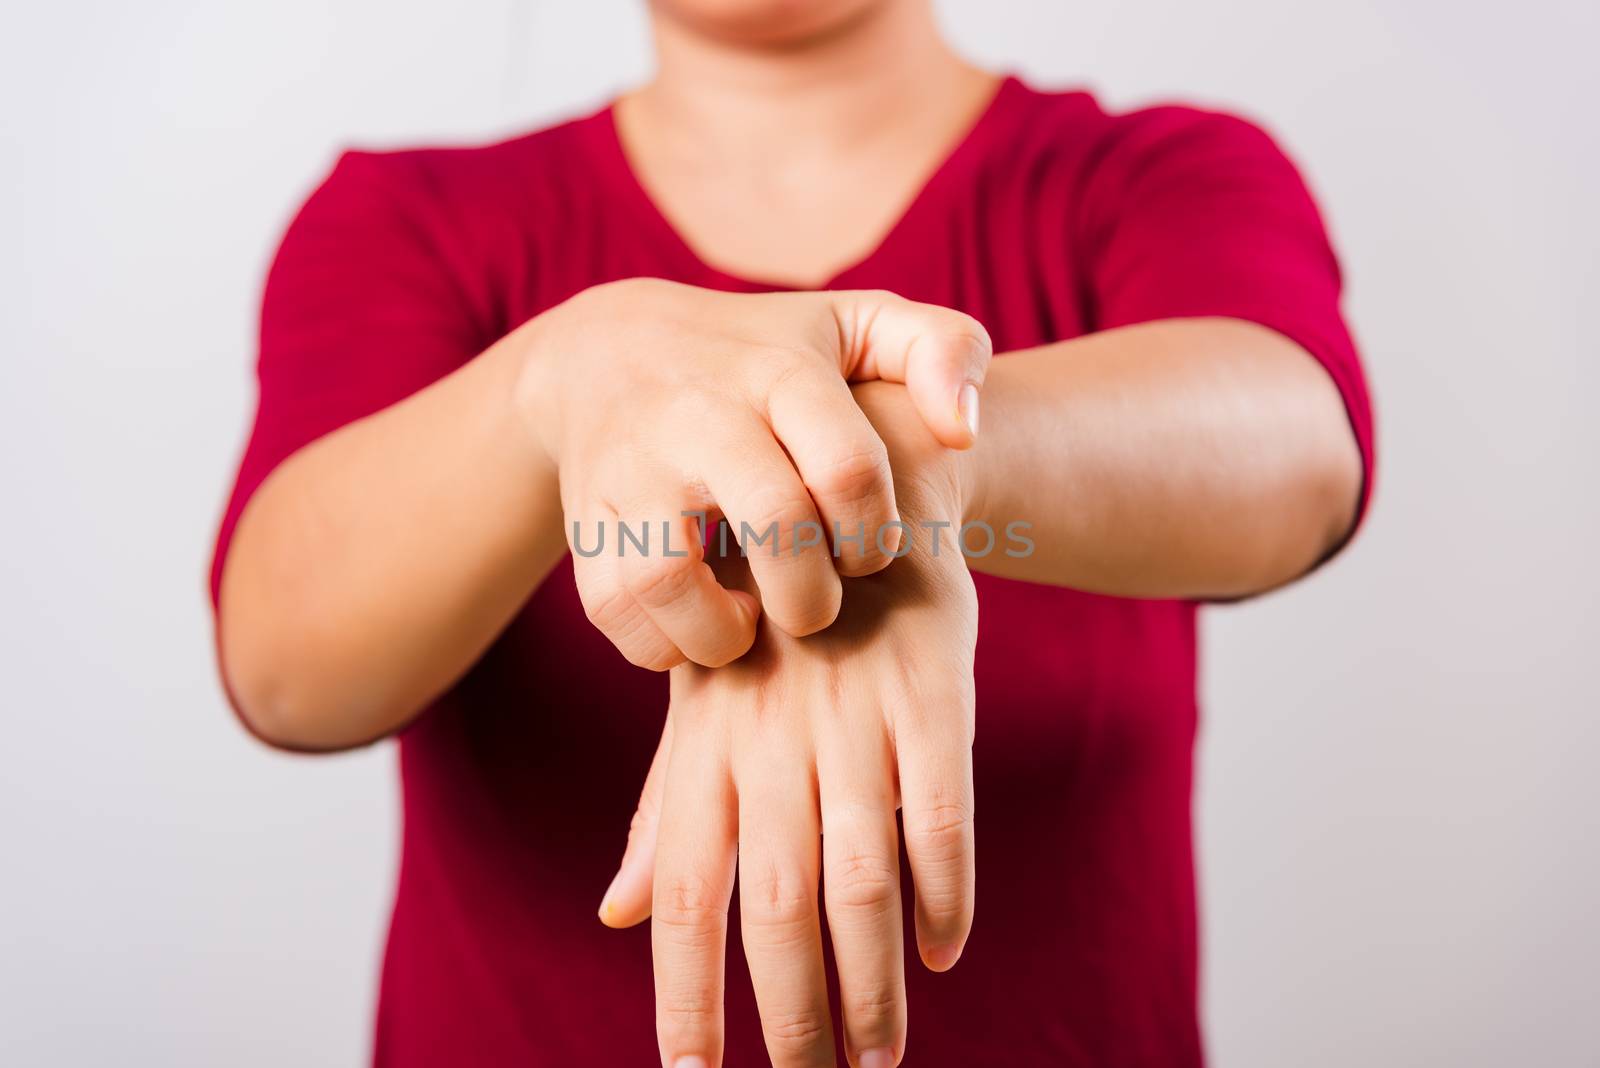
940,354
627,899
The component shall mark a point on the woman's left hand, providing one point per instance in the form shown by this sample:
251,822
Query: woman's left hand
788,765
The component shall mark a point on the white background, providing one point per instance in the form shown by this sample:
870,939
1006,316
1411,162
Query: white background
1398,803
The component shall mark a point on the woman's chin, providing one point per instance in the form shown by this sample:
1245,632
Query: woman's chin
765,23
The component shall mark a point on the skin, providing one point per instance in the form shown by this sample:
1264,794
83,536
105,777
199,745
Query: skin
1189,458
788,766
639,401
783,140
1201,457
1175,459
707,402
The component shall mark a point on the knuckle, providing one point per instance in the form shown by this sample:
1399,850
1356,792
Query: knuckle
972,339
691,897
605,604
874,1003
865,883
690,912
784,514
627,292
791,365
853,475
809,612
943,904
798,360
795,1030
779,905
785,369
616,614
660,579
644,819
688,1008
942,827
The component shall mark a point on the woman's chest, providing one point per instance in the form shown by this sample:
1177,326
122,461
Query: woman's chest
1003,253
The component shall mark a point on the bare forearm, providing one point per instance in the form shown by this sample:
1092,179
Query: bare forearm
1204,457
376,564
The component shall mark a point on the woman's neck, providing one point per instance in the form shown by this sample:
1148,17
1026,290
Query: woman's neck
789,163
883,74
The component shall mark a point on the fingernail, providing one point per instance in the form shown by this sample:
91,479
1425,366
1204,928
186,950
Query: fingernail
942,958
967,407
689,1062
877,1058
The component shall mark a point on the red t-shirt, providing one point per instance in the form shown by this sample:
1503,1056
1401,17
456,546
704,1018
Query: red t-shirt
1051,219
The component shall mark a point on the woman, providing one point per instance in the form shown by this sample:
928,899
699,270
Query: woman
473,359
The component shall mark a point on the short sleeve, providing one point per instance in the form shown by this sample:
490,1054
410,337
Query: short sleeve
1190,214
360,311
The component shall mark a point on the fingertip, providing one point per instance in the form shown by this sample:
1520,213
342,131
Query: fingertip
657,660
875,558
626,902
802,626
892,534
619,915
883,1057
817,614
941,958
953,438
750,606
608,904
748,611
862,566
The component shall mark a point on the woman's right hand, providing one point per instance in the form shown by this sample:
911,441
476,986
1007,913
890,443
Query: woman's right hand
660,403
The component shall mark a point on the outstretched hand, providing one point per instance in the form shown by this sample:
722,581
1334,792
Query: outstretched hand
787,767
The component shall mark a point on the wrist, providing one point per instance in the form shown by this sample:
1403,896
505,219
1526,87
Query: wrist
529,388
542,350
930,480
534,354
971,490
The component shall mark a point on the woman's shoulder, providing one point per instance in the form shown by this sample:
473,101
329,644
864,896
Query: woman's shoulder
516,167
479,209
1079,118
1105,156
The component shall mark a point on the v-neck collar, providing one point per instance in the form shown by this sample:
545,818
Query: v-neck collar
613,158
